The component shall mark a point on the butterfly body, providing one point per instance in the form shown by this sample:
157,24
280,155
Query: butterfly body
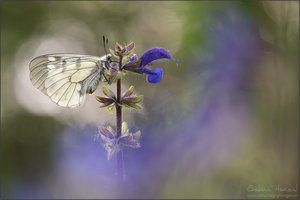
91,82
67,78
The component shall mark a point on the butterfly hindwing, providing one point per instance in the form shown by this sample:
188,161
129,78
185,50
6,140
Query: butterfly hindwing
61,76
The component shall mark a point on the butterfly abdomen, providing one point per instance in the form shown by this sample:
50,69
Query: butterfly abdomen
91,83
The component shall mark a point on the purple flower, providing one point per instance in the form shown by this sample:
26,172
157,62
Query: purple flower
114,144
154,54
139,65
153,75
134,57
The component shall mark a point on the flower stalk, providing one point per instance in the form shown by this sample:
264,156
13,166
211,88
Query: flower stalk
116,138
120,167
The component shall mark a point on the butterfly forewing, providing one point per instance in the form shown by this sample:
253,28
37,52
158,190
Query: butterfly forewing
61,76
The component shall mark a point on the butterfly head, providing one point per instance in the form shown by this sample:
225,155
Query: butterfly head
108,57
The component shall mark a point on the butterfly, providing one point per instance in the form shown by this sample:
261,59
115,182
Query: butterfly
67,78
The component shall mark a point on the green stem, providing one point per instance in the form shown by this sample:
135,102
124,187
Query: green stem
120,168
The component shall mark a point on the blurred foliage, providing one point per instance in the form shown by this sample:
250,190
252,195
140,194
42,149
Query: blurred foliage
26,147
18,23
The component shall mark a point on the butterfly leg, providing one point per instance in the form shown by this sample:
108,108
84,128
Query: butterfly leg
106,79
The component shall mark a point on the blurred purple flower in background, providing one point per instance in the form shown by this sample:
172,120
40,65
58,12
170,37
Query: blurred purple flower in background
80,170
219,125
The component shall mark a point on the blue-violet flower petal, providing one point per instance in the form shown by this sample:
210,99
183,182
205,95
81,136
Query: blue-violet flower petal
134,57
154,54
155,75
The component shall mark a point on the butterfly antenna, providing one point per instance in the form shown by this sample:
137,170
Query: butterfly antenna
105,41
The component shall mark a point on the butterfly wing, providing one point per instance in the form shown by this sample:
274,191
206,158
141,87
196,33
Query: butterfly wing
61,76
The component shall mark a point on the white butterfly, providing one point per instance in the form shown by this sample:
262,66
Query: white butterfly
67,78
